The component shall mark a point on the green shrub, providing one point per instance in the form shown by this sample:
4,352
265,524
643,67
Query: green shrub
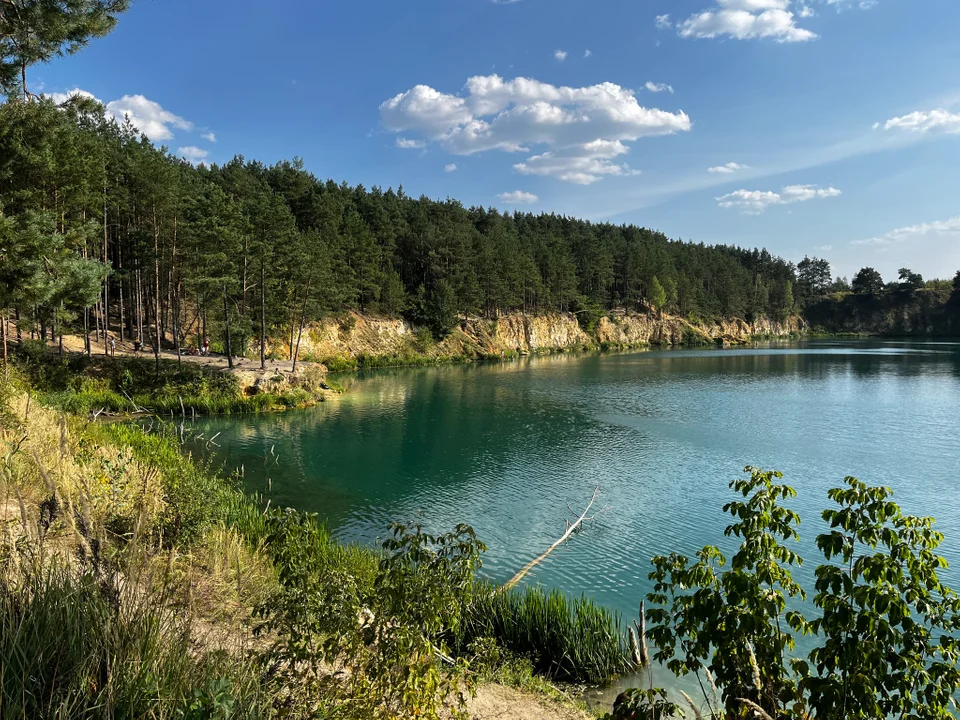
884,634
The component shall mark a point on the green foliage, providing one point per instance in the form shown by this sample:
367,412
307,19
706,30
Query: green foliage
887,622
79,384
36,31
868,282
909,280
573,640
884,640
637,704
394,629
705,616
658,296
244,253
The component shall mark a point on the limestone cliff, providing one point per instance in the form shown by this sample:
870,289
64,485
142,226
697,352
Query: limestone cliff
358,336
923,313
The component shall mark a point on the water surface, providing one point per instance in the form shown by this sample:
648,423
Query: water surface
510,447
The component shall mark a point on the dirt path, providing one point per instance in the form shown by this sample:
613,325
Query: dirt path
74,344
497,702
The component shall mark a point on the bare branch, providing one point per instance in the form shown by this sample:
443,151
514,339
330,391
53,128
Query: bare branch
571,529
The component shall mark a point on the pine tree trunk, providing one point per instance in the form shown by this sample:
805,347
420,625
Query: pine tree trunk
3,331
106,280
156,297
303,317
226,324
263,318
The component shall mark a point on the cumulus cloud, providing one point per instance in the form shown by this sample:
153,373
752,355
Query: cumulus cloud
193,154
587,53
663,22
146,115
560,55
894,237
658,87
582,128
408,144
61,98
517,197
727,169
452,167
584,164
745,20
754,202
938,120
209,136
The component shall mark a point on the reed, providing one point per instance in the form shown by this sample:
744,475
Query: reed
566,639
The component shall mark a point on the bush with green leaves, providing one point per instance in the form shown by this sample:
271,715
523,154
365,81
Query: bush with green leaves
369,644
883,641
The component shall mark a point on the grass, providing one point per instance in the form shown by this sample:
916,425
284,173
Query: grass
71,648
82,385
565,639
168,559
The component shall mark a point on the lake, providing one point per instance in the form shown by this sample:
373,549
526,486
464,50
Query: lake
517,449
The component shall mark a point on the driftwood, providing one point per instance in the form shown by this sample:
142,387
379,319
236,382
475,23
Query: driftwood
571,529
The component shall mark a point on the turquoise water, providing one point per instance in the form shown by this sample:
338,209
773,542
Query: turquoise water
509,447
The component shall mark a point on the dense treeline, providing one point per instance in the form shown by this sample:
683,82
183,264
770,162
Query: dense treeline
104,232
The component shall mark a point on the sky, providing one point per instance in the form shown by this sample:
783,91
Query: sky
809,127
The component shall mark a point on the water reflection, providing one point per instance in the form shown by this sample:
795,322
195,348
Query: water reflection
507,447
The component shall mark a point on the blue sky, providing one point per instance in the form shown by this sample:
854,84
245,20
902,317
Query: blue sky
833,126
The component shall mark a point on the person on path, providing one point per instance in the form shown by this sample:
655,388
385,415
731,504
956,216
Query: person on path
136,348
206,346
113,347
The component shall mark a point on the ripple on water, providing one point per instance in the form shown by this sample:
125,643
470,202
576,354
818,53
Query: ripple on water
507,448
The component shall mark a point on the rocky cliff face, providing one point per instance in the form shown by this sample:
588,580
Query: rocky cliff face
355,336
923,313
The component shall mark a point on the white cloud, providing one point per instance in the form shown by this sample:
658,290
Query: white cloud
193,154
587,53
61,98
744,20
408,144
658,87
146,115
209,136
560,55
939,227
806,11
663,22
583,165
938,120
578,126
823,248
452,167
517,197
727,169
754,202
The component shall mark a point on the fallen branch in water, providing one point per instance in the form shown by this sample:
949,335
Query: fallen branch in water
571,529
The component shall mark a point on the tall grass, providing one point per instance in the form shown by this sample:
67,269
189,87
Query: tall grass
71,649
566,639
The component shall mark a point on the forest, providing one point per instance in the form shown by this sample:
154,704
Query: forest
105,232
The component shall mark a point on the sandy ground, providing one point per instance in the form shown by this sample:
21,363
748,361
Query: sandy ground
74,344
496,702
